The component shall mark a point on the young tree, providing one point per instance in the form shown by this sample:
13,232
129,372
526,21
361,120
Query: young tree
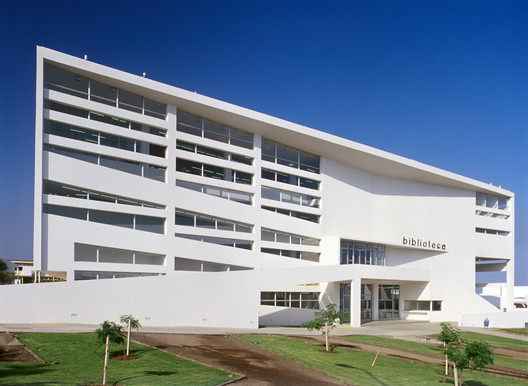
325,320
109,332
131,323
475,355
6,277
449,336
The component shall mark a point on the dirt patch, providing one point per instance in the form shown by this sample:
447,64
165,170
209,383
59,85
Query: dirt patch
13,351
260,367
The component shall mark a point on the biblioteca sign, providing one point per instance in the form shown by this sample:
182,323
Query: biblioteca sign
412,242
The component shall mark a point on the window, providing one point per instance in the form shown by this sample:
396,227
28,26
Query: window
359,253
492,231
289,179
491,201
198,220
99,117
228,194
57,79
281,237
212,171
309,300
226,242
301,215
302,255
124,220
288,156
195,125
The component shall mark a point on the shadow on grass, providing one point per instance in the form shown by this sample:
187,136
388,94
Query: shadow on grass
364,371
148,374
19,370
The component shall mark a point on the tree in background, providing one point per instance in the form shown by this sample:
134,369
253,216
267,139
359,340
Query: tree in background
6,277
108,332
325,320
131,323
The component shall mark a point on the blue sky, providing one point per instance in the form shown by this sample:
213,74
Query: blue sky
444,83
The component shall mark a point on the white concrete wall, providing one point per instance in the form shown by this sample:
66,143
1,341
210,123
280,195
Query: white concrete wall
497,319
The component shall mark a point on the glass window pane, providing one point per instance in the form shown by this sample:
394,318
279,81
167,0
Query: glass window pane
268,150
126,144
185,146
244,198
224,225
65,211
307,183
118,219
155,109
216,131
214,172
268,174
243,178
109,140
243,244
184,218
267,235
64,81
270,194
309,162
241,138
287,156
154,172
211,152
150,224
189,123
103,93
243,228
205,222
241,159
188,167
131,102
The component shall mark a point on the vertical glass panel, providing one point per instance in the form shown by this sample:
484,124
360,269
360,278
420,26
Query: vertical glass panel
268,174
126,144
83,252
287,156
184,218
109,140
216,131
150,224
188,167
244,198
155,109
154,172
309,162
131,102
267,235
270,193
223,225
118,219
241,138
480,199
243,244
282,238
189,123
103,93
268,150
243,178
307,183
503,203
243,228
205,222
295,240
65,211
214,172
64,81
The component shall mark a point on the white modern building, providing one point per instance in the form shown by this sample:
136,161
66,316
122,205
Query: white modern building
184,210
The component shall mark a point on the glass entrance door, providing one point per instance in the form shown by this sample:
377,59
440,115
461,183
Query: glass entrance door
344,300
366,302
389,301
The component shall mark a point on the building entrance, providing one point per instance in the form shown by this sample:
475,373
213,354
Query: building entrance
388,301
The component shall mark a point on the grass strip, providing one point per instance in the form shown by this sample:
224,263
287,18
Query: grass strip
78,359
356,366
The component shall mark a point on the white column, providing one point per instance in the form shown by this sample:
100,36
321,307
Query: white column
355,302
375,301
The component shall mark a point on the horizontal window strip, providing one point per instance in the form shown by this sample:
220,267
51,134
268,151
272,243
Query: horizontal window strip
123,220
215,172
290,179
227,194
281,237
67,82
301,255
152,172
58,189
289,156
226,242
290,197
292,213
492,231
103,139
202,127
309,300
103,118
199,220
215,153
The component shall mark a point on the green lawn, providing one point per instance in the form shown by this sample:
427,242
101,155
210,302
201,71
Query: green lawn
79,360
494,340
521,364
355,366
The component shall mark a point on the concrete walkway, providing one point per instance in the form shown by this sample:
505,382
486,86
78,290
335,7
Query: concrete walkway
400,329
